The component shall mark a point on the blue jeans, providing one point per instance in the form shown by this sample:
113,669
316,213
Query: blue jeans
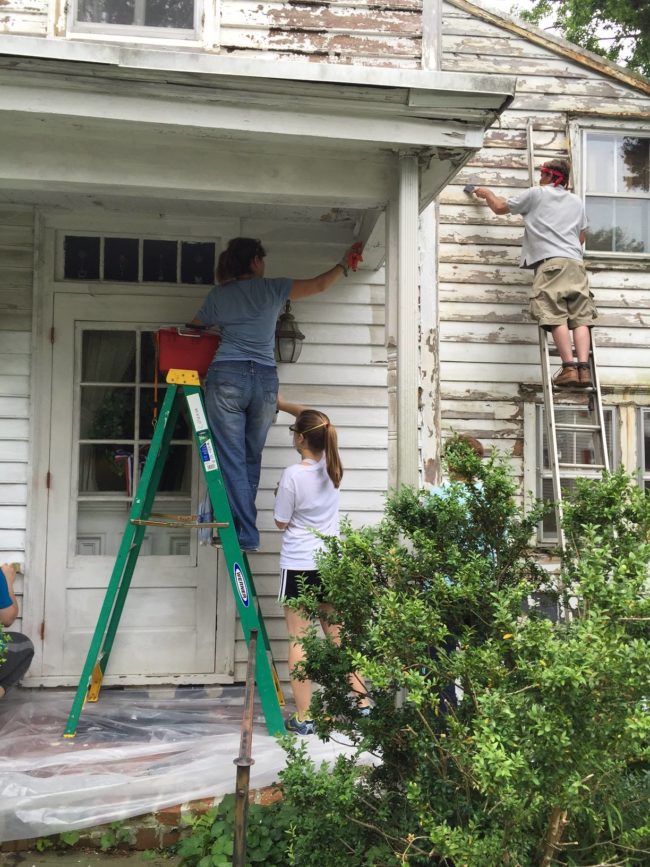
241,398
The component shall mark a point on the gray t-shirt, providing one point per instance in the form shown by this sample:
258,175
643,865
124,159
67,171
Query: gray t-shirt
553,221
245,312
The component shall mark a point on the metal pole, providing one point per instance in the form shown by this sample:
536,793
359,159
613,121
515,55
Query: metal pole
244,760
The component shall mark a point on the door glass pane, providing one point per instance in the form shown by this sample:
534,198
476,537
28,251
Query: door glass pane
197,263
108,356
115,427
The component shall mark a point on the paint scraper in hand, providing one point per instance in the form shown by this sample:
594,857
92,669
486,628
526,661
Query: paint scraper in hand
469,188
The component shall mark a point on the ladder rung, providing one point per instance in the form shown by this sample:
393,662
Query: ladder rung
576,427
581,466
140,522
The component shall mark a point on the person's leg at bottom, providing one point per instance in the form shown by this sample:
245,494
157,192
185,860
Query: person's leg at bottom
227,395
355,681
297,625
20,652
259,418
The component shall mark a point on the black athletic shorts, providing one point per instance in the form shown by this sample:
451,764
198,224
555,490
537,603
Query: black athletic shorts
290,586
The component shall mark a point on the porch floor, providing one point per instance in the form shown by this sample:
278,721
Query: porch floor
137,750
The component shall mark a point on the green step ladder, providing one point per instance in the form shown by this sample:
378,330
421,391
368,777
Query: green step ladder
180,384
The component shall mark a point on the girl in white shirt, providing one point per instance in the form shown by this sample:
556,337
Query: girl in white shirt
307,499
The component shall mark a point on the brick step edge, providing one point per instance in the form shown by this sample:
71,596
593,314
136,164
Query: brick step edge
152,831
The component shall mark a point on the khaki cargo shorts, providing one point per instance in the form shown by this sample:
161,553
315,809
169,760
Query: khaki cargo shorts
560,294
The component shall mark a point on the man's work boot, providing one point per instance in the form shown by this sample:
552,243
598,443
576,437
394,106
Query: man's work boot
584,376
568,376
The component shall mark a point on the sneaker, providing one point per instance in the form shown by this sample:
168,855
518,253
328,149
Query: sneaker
584,376
566,377
364,711
299,726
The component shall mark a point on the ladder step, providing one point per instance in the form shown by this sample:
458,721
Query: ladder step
576,427
140,522
571,466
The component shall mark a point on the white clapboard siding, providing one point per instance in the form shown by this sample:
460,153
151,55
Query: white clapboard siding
489,358
16,280
24,17
339,32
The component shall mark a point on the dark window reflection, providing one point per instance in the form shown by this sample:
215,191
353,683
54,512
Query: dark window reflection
633,164
108,356
147,398
121,259
159,261
177,473
107,413
106,11
646,441
105,468
81,258
147,356
170,13
197,262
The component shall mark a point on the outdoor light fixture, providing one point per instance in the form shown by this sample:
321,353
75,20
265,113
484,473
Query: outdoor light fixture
288,337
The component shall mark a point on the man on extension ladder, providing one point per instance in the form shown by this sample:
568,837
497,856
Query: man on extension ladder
554,232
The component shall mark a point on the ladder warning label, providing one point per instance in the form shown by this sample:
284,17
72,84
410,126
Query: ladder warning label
199,420
208,456
240,581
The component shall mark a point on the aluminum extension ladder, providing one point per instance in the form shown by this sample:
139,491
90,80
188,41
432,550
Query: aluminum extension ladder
580,399
182,384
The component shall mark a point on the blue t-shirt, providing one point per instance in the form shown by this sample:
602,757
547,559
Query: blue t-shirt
5,599
245,312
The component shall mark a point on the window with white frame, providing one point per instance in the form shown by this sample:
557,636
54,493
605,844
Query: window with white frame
617,192
575,447
644,448
163,18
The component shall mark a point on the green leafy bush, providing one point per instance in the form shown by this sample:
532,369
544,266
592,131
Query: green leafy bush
269,836
545,758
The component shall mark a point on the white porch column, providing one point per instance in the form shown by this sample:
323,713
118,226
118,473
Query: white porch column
408,332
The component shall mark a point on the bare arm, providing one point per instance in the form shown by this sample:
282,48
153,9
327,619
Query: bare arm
583,236
497,204
293,409
281,525
8,615
305,288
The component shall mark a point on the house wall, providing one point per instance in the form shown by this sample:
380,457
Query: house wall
342,31
489,359
16,264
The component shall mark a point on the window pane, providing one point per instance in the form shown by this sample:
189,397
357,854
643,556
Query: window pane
600,163
632,233
121,259
197,263
600,234
170,13
81,258
632,164
108,356
107,413
181,429
105,468
159,261
106,11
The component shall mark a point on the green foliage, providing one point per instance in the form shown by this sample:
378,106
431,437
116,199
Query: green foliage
115,834
553,716
5,638
43,844
616,29
70,838
268,840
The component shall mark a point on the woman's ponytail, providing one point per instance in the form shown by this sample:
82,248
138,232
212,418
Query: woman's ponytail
320,435
332,457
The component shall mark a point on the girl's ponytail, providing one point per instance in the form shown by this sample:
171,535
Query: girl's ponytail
320,435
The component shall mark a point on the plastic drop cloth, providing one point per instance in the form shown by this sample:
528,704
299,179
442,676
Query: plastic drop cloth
135,751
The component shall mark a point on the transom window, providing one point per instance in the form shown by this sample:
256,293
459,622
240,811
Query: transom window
138,260
617,192
170,18
576,447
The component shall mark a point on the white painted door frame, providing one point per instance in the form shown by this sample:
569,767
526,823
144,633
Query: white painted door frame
48,226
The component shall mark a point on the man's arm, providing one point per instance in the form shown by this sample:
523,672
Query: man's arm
496,203
8,613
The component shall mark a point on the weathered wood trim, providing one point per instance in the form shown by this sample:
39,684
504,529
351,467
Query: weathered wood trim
555,44
431,24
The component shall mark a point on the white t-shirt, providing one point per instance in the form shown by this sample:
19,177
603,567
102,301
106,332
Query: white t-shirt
553,220
306,500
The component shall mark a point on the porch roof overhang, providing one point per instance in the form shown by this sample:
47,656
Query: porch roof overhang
305,118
